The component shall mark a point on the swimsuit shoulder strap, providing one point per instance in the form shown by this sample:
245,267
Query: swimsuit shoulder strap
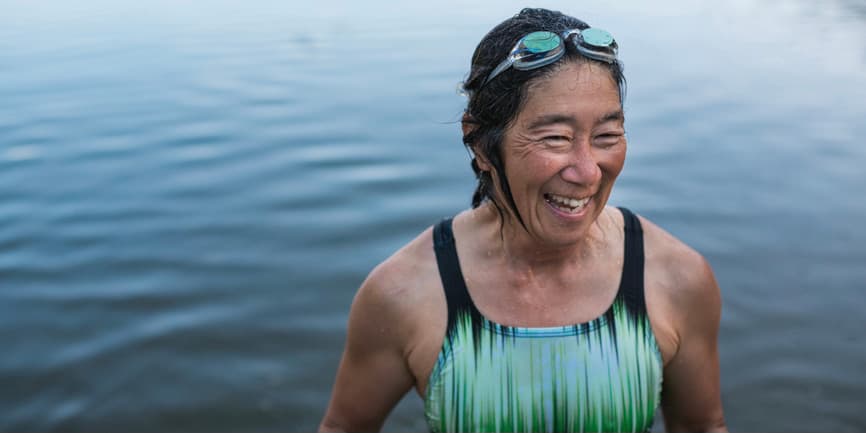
456,293
631,286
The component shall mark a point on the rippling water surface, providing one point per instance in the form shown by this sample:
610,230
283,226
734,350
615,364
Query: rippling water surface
190,195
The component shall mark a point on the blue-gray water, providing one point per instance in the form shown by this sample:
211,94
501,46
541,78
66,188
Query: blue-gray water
191,192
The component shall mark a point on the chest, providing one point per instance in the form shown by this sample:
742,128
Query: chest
577,294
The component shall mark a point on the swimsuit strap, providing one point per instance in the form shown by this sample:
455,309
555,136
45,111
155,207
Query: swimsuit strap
456,293
631,286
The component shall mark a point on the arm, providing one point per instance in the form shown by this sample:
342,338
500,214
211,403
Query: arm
691,400
373,373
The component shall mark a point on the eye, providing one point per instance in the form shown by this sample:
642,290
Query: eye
557,143
607,140
557,138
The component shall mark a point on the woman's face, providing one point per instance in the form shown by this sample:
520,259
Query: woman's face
564,150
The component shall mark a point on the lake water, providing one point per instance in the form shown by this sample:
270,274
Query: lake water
190,194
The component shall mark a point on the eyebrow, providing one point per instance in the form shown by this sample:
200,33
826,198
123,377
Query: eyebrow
551,119
613,115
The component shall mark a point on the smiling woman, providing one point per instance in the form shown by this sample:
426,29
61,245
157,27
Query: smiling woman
563,151
541,308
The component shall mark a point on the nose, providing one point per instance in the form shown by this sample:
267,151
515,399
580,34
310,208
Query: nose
582,168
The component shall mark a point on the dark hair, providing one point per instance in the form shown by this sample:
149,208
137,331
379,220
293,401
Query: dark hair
492,107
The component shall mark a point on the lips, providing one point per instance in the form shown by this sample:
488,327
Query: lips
571,205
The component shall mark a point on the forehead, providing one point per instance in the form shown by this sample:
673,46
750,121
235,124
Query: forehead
582,90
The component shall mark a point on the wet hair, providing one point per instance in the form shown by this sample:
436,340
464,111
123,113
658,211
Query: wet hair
492,107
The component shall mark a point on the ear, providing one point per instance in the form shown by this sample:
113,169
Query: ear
480,158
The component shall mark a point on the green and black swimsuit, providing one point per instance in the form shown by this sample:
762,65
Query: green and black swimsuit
602,375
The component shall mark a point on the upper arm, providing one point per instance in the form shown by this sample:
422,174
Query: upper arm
373,373
691,399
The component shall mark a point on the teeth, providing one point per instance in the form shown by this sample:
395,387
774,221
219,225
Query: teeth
568,202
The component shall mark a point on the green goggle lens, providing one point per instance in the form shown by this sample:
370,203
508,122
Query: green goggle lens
538,42
596,37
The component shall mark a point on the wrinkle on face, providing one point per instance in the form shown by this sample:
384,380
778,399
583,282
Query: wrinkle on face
523,145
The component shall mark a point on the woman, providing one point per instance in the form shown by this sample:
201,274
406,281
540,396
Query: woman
541,308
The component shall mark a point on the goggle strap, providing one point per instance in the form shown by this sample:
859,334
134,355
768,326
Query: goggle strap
505,64
597,54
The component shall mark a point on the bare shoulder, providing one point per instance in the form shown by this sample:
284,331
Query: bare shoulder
401,303
680,268
400,284
683,297
375,370
684,307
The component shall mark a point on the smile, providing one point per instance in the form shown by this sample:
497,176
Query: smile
566,204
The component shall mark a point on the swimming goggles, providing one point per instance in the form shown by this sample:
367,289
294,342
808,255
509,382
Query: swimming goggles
542,48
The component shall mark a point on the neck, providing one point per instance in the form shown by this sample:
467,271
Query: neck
523,252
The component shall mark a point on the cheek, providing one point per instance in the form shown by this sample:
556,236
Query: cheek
541,170
531,175
546,165
611,161
534,165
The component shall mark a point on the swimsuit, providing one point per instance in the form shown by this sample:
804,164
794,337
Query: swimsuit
601,375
